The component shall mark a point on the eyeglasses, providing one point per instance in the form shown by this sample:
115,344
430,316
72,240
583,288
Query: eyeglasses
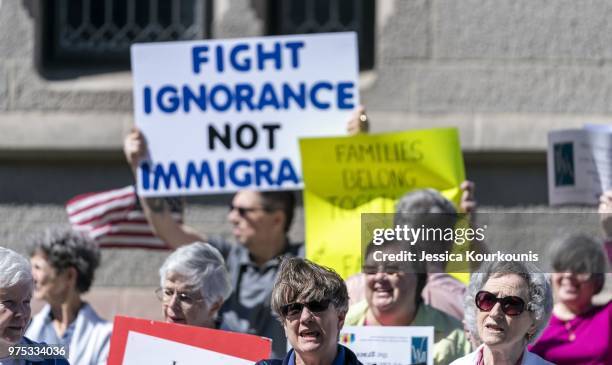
185,299
294,309
510,305
242,211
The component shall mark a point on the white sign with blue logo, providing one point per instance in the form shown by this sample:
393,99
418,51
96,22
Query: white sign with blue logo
408,345
225,115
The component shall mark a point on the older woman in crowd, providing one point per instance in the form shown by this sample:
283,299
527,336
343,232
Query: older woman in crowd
393,298
194,284
441,291
579,332
63,266
15,293
311,302
508,304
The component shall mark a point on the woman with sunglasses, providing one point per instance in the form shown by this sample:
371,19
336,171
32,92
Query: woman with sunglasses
194,285
311,302
508,304
579,332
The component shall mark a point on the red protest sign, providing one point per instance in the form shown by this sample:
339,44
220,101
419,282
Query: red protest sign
139,341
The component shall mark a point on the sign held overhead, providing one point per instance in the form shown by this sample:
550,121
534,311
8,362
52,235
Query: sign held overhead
224,115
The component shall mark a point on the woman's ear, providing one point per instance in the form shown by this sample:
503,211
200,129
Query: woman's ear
341,318
531,331
212,311
72,275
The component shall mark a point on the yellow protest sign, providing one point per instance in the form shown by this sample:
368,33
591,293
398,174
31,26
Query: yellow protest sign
347,176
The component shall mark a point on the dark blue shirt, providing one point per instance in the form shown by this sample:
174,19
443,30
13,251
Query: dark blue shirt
343,357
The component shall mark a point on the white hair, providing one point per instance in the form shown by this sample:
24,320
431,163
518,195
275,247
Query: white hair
540,301
203,267
14,269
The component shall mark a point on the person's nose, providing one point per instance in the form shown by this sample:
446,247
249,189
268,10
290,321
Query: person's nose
380,276
233,215
496,311
20,310
306,316
174,301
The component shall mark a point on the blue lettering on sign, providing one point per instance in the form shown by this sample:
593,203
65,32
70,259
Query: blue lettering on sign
314,97
244,96
286,173
244,58
245,65
206,174
419,350
168,99
198,175
345,95
244,179
198,56
166,176
274,55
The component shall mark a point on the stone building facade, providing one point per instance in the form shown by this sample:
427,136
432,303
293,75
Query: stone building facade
503,71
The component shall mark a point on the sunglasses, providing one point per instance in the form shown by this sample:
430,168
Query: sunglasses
242,211
294,309
511,305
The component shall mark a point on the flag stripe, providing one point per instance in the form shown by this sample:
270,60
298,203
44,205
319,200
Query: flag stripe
85,201
114,219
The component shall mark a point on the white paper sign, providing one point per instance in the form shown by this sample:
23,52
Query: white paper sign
225,115
149,350
380,345
579,165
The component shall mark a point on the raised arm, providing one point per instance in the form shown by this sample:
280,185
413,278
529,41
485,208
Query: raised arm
157,210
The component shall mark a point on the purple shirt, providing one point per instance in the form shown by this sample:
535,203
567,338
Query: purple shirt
585,339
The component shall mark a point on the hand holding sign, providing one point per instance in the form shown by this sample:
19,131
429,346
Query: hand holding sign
134,148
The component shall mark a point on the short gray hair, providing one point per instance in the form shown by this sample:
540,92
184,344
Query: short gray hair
429,208
423,201
203,267
64,248
540,301
580,253
302,280
14,269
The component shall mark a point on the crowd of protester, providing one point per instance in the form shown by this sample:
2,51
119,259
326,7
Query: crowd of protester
260,284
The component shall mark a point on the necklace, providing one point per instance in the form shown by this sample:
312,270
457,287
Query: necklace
570,328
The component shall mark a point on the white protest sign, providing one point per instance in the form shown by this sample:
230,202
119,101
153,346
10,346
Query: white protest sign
579,165
139,341
390,345
224,115
150,350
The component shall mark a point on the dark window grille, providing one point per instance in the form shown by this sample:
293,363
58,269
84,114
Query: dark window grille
319,16
100,32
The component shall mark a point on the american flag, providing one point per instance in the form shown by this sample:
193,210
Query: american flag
114,218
